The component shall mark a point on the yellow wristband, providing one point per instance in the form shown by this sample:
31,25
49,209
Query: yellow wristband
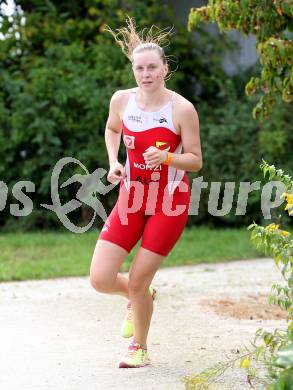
168,159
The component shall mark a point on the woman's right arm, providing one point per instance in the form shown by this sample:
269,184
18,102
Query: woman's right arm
112,138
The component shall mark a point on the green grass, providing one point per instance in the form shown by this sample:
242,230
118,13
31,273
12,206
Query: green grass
50,255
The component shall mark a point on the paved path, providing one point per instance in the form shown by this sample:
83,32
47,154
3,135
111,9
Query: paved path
62,335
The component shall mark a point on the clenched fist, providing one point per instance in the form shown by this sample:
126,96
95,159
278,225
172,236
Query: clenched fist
116,173
153,156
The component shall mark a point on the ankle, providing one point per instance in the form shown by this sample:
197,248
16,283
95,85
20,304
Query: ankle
139,345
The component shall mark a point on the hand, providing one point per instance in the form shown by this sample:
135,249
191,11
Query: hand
116,173
153,156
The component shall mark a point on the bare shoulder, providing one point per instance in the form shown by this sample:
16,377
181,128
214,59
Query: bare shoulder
120,95
183,106
184,113
119,100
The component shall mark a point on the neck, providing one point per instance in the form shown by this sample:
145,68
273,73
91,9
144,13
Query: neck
151,98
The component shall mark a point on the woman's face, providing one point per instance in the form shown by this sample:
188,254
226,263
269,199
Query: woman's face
149,70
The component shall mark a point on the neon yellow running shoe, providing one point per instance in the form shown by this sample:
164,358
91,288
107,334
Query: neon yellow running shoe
135,357
127,328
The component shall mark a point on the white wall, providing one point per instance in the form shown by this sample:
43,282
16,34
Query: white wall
247,54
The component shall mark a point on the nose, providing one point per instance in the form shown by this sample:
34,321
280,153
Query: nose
145,73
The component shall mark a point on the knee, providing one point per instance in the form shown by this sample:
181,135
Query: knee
137,286
100,283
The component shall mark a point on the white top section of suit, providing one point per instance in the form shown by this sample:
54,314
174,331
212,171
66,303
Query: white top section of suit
136,119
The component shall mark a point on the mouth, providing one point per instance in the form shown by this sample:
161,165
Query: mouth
146,82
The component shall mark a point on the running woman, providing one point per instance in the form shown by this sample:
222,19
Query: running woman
160,131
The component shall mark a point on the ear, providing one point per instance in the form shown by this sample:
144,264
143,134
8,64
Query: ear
166,70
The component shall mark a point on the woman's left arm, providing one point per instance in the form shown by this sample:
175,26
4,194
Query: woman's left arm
191,158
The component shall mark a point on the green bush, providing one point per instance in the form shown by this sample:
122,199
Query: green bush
233,144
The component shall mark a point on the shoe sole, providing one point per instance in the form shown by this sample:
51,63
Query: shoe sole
154,294
125,365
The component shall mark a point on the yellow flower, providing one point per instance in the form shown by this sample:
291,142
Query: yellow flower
289,205
272,227
289,200
245,363
288,197
284,233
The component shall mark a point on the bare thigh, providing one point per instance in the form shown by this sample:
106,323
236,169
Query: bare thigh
105,265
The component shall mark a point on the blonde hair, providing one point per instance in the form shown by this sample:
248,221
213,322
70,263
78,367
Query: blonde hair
132,42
